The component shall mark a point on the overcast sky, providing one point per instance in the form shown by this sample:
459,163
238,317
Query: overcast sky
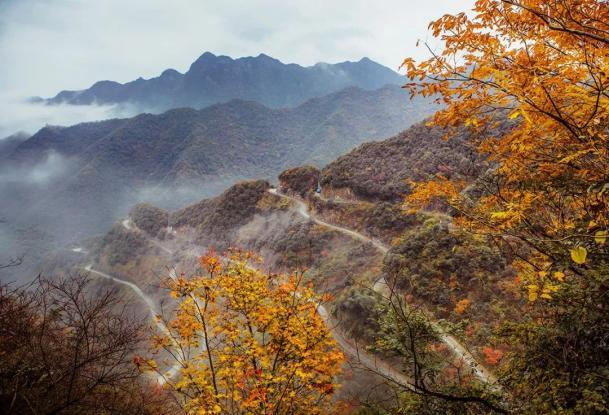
50,45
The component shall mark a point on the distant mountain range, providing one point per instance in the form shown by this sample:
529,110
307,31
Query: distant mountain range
240,139
228,120
79,179
215,79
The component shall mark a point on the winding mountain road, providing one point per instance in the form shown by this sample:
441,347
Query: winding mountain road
127,224
364,358
302,208
382,287
173,370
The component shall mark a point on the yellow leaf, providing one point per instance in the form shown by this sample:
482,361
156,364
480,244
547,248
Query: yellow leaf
600,237
532,292
514,114
499,215
551,288
559,276
579,254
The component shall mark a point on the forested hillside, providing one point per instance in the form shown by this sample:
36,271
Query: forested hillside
70,182
187,145
381,170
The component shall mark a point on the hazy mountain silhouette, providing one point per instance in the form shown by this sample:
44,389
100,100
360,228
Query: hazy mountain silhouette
214,79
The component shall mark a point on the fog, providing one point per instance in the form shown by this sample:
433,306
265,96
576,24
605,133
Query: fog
53,167
51,45
19,114
176,196
43,211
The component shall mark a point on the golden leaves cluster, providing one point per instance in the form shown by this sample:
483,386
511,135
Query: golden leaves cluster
250,342
529,81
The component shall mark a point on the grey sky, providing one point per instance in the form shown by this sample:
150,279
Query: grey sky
50,45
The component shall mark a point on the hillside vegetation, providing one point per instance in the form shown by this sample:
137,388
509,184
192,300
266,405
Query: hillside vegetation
380,170
73,182
299,180
186,143
215,220
149,218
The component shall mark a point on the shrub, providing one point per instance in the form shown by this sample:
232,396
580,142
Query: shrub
149,218
299,180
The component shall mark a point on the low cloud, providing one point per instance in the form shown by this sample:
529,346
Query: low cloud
179,195
53,167
20,115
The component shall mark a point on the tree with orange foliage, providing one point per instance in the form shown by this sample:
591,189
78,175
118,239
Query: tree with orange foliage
249,343
542,67
492,356
462,305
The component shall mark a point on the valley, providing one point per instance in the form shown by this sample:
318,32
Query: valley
91,173
358,356
293,228
382,228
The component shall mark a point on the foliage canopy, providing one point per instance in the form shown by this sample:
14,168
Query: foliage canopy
249,342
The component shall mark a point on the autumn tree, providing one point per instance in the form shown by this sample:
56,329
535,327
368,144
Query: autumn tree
66,349
543,66
249,342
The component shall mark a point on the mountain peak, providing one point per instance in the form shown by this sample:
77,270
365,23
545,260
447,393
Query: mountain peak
206,56
170,73
264,56
209,60
218,78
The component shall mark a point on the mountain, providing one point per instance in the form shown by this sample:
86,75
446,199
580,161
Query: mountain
241,139
73,181
343,239
214,79
342,245
10,143
379,170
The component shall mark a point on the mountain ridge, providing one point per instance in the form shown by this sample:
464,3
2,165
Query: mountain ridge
343,119
88,174
213,79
